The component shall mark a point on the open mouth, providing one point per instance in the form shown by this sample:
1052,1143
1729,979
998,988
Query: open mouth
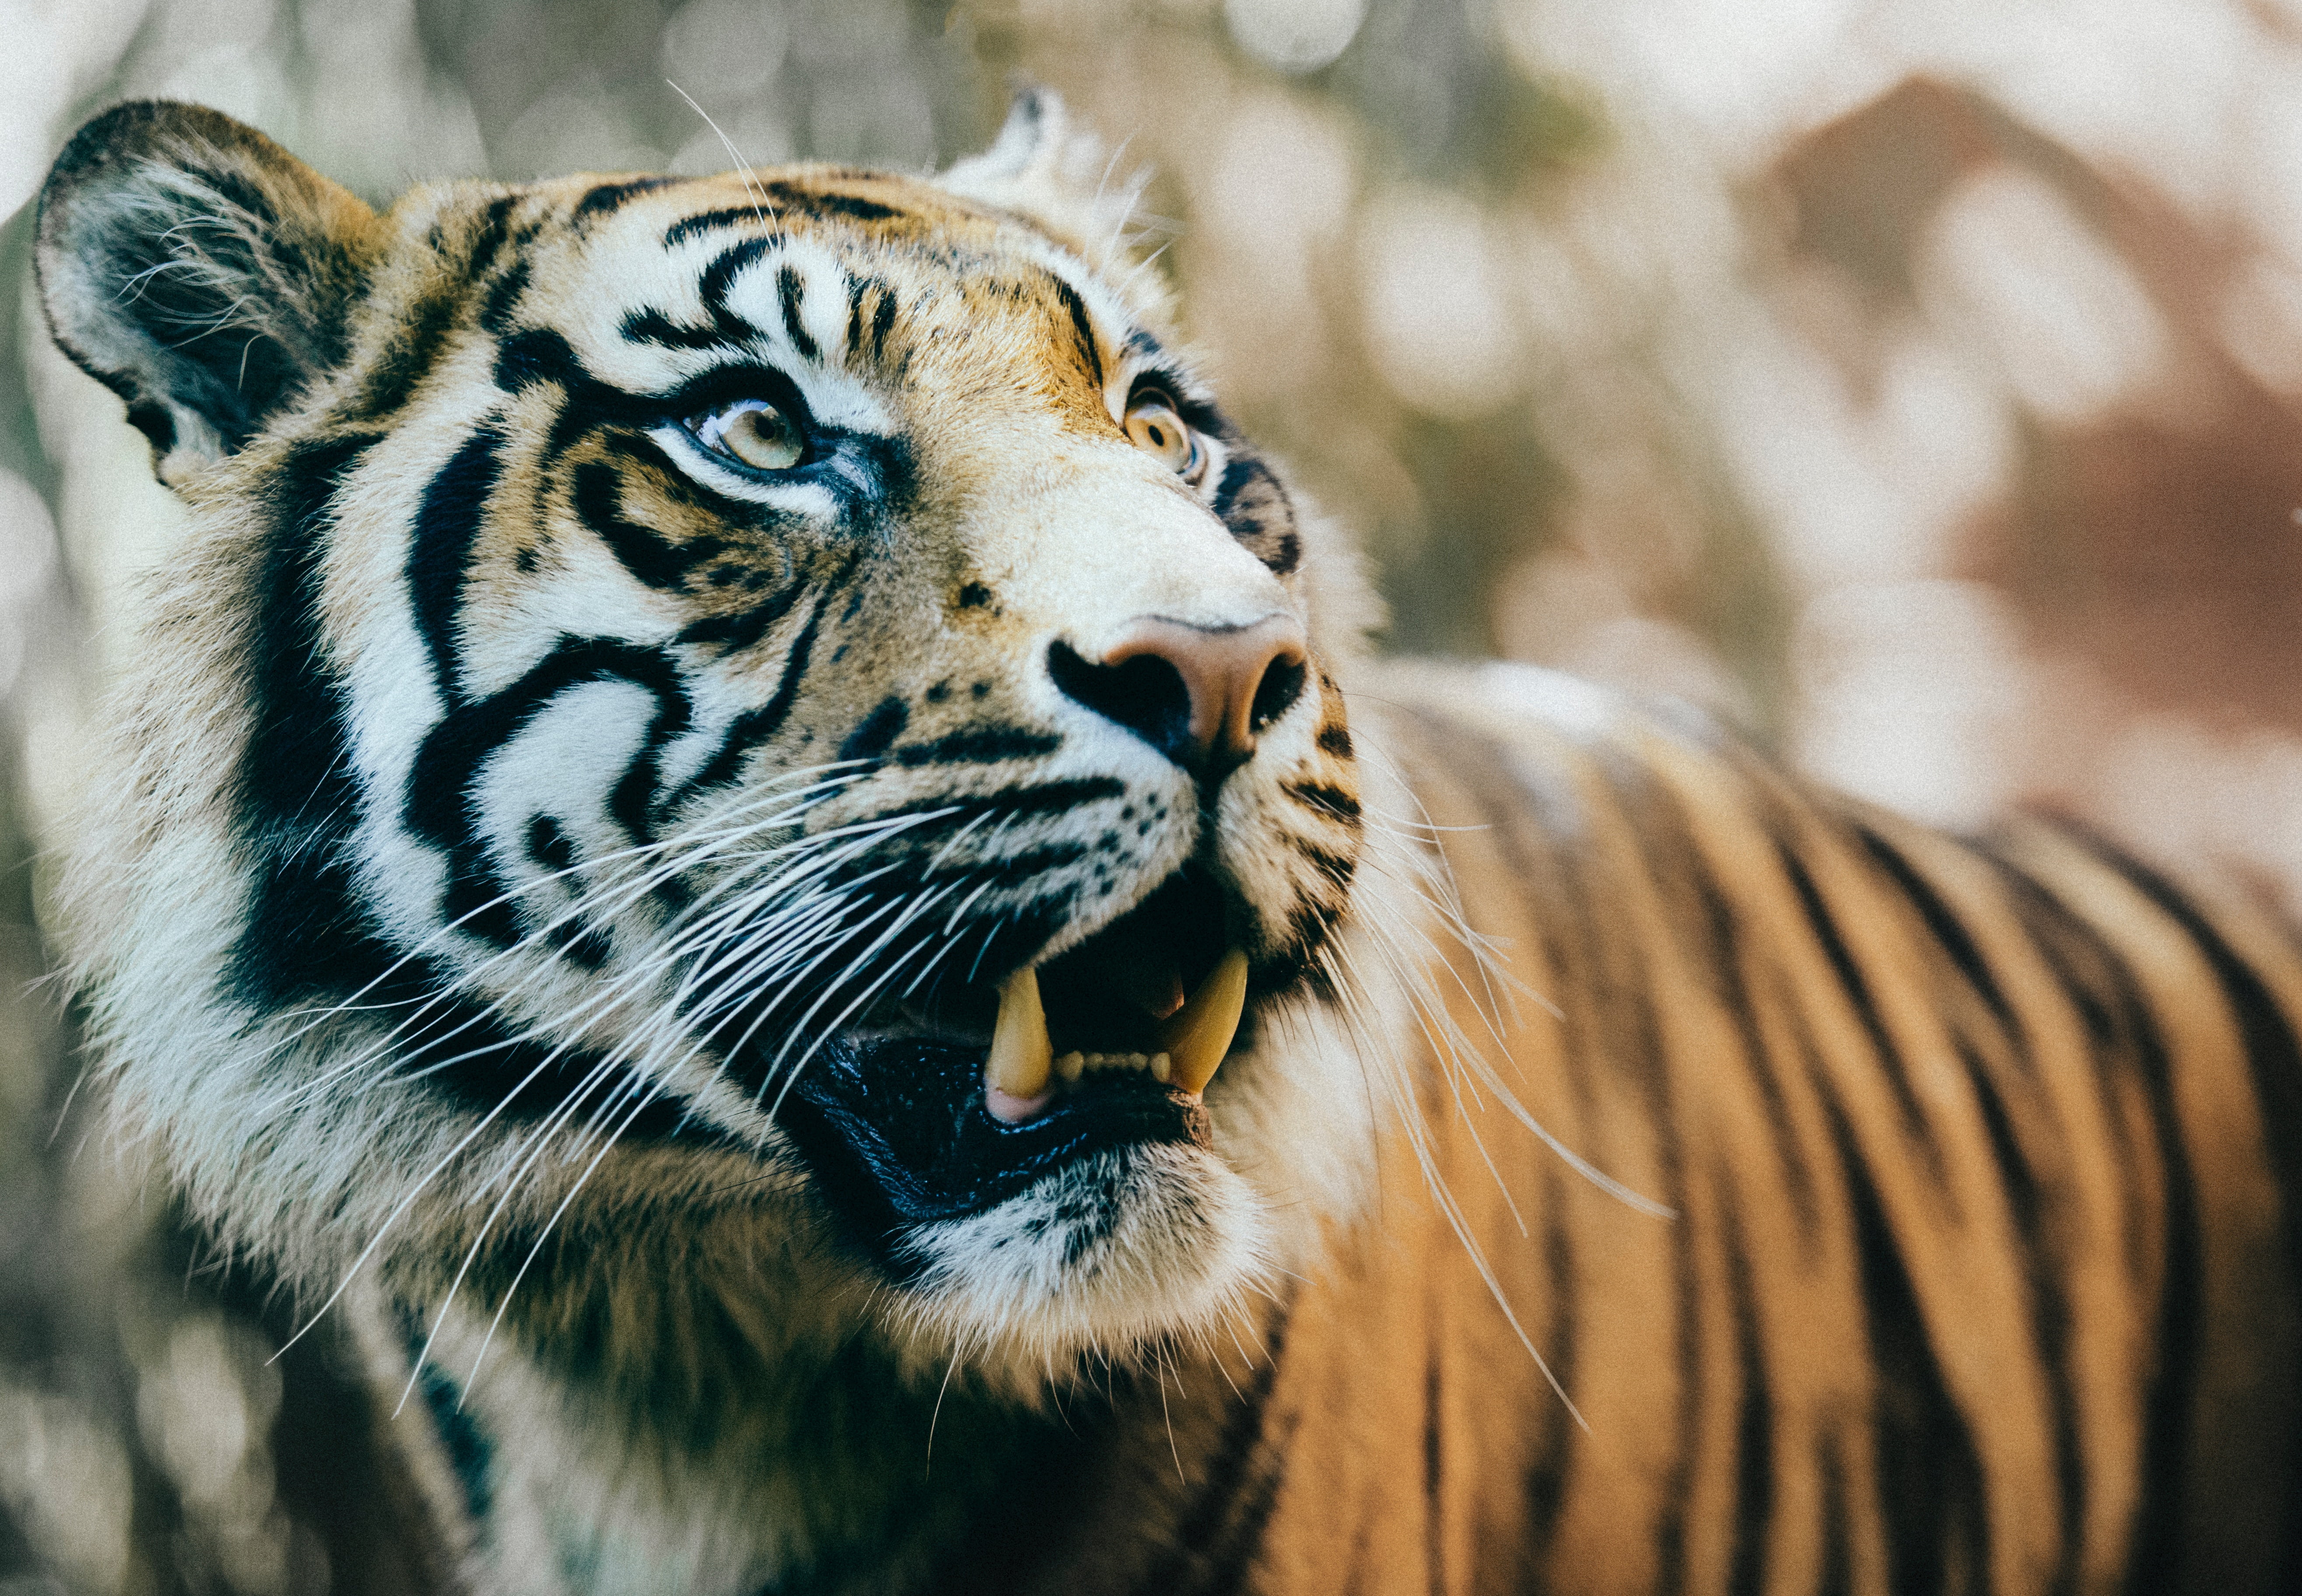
952,1108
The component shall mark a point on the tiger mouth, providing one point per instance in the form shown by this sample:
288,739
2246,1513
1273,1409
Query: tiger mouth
902,1123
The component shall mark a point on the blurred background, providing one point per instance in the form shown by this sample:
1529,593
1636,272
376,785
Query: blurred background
1916,382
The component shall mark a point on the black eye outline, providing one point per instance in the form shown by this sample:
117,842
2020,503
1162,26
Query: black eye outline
1194,464
709,427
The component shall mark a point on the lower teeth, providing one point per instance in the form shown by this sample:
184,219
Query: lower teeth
1071,1066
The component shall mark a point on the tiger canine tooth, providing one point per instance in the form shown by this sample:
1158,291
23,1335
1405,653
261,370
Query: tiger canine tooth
1197,1038
1020,1053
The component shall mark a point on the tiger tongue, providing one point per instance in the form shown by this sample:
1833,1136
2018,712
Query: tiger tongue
1197,1034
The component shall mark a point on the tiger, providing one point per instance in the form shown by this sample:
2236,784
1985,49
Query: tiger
748,846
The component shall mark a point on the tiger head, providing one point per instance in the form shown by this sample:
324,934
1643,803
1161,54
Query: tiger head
762,728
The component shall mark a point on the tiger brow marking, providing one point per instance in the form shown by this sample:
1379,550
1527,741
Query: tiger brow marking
688,227
851,207
719,276
883,314
883,321
607,197
1088,350
652,326
788,291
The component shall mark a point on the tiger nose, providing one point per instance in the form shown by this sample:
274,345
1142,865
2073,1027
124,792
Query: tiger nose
1198,694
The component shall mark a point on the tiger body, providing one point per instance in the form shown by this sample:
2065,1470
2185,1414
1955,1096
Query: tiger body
561,873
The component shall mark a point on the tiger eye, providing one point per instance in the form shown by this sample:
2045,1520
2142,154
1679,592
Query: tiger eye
1155,428
756,434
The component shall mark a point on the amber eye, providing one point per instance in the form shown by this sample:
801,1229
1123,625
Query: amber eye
752,431
1155,429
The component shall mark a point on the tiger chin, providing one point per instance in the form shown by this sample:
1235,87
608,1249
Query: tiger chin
733,845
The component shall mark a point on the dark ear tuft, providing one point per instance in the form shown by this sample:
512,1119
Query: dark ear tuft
199,271
1031,134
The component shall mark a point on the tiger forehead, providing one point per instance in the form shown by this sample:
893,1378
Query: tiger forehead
884,276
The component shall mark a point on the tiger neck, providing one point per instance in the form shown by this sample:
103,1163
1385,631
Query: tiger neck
833,1472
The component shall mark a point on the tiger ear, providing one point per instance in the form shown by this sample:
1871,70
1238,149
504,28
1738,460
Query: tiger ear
1047,169
199,271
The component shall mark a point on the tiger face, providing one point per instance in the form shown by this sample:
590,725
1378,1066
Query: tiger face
713,710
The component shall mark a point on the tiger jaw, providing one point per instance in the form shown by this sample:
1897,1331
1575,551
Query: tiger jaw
1063,1081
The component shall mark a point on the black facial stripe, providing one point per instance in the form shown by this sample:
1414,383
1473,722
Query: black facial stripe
1254,506
737,630
534,355
652,558
877,730
411,352
469,1446
502,301
1332,802
788,289
688,227
1338,868
488,241
1027,799
440,806
607,197
297,800
1090,354
985,745
548,844
150,418
1238,475
1335,738
1042,861
727,328
754,727
652,326
883,320
538,355
881,295
632,800
447,526
848,207
719,277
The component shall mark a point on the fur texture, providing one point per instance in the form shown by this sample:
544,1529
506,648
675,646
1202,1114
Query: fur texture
1635,1173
